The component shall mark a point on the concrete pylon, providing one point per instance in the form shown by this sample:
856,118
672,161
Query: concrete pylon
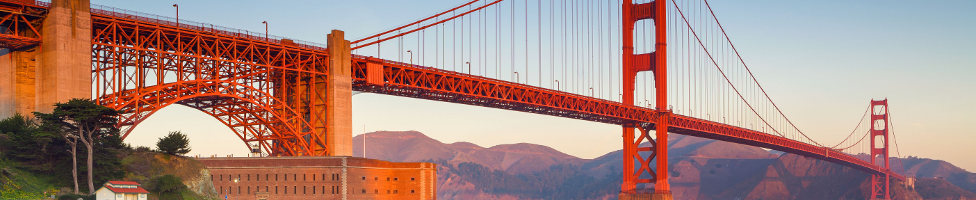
18,84
58,70
339,96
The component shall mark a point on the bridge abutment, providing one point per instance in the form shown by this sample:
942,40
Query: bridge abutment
339,96
18,84
65,54
59,69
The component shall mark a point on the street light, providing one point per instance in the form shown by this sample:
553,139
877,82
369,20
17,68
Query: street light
557,84
591,91
265,30
177,15
411,56
516,77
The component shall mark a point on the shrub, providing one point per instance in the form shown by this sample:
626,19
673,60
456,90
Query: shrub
174,144
167,187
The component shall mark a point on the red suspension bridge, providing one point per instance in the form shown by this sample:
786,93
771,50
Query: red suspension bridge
664,66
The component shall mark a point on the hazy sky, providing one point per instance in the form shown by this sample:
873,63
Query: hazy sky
820,61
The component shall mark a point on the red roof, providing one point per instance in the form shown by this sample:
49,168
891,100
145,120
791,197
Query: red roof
137,189
128,190
123,183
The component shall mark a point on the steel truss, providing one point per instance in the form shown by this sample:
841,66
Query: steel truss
20,25
267,91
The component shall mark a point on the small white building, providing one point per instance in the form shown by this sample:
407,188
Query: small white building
121,190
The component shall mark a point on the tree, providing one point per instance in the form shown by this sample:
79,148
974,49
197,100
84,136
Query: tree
22,139
81,120
174,144
52,123
26,145
167,187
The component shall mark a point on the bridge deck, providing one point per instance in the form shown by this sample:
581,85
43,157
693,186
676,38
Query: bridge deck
402,79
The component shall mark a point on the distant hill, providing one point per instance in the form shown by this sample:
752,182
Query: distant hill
411,146
700,169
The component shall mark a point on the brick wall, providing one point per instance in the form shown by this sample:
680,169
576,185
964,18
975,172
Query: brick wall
320,178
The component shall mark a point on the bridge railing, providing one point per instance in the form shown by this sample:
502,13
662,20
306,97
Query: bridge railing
187,24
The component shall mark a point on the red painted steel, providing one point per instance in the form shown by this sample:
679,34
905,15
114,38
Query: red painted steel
879,148
269,90
20,24
402,79
264,90
655,62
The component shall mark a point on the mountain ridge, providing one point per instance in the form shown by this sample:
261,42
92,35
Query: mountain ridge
700,169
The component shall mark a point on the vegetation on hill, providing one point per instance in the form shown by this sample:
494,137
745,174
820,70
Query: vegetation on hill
700,169
557,182
30,151
152,168
174,144
36,163
938,188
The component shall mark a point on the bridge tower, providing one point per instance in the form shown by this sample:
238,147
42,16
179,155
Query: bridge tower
45,62
879,149
339,96
656,62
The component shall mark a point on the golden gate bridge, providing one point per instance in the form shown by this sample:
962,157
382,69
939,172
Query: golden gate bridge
664,66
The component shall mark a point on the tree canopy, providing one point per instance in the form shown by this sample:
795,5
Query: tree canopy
175,143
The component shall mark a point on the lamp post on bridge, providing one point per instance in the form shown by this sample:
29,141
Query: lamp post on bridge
591,92
411,56
469,67
177,15
265,31
516,77
557,84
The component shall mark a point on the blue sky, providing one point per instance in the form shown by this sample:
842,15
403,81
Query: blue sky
820,61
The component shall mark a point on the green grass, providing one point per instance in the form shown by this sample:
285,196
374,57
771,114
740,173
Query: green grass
20,184
189,195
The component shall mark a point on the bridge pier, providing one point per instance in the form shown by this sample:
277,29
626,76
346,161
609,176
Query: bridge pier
339,96
59,69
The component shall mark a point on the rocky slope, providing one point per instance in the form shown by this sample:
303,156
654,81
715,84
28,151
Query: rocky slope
142,166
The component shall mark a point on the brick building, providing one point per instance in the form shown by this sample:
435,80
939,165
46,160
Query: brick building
320,178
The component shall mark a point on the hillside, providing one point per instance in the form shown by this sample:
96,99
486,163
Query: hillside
142,166
412,146
700,169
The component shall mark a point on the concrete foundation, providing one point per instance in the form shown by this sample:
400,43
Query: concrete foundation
65,59
58,70
339,96
18,82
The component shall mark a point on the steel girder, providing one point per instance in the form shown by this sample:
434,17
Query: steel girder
402,79
266,91
20,25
